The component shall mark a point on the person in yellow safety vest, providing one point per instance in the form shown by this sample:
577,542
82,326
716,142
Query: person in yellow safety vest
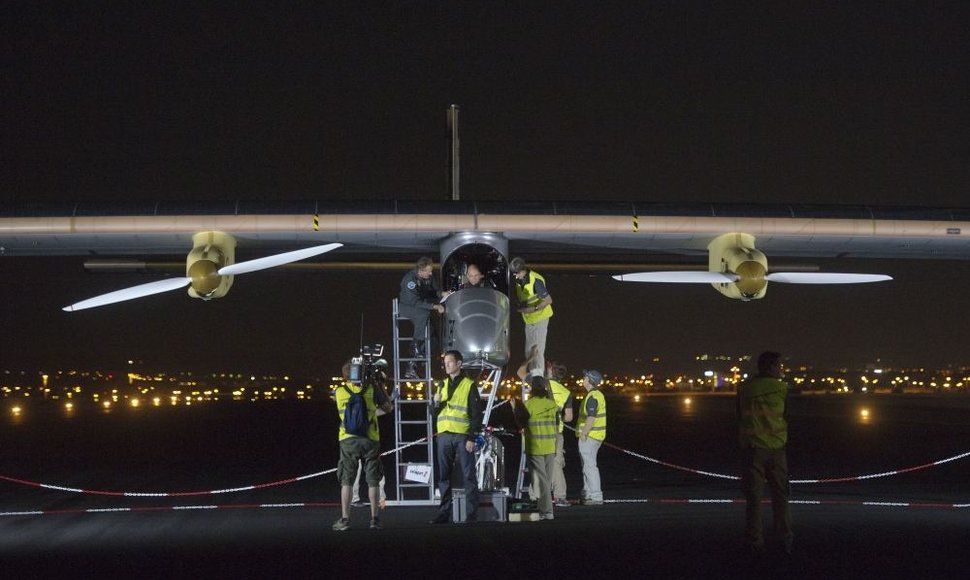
355,501
564,399
591,431
539,417
763,436
535,305
355,450
458,407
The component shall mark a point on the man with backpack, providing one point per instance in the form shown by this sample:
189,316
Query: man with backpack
358,407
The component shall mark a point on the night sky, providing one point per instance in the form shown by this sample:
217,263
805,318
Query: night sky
859,103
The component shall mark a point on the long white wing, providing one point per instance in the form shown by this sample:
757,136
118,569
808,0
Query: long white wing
276,260
131,293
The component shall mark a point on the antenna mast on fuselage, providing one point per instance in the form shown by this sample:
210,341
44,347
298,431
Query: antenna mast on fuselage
453,158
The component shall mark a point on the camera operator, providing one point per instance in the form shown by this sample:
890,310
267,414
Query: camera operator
355,450
381,372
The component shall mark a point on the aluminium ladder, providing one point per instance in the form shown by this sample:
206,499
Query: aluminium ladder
413,421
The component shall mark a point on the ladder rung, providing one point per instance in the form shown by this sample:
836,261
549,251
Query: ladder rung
414,422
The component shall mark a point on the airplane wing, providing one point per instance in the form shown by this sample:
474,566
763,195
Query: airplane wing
407,228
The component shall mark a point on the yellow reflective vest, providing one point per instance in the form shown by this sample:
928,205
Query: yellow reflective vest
540,434
527,297
342,396
560,394
454,416
599,419
761,413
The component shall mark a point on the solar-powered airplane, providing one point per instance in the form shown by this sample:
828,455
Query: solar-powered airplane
735,239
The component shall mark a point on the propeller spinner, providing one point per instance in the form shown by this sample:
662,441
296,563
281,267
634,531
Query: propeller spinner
209,271
738,270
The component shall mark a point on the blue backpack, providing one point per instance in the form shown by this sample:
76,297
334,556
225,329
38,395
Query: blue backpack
355,419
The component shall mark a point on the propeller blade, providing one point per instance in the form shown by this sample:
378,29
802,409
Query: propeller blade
276,260
678,277
825,278
156,287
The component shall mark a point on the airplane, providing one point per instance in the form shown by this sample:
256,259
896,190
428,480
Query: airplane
480,232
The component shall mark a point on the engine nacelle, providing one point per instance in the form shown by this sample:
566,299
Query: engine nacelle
735,253
210,252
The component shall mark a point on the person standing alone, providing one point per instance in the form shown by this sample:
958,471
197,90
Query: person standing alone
763,436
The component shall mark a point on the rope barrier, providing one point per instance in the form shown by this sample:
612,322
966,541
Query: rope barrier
395,450
818,480
189,493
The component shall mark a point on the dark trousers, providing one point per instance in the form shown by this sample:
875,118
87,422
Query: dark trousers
423,332
771,466
451,446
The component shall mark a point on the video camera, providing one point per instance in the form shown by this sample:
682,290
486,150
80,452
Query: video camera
368,368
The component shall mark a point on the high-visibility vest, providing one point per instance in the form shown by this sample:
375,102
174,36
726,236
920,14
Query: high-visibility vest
527,296
454,417
560,394
540,434
762,424
599,420
342,396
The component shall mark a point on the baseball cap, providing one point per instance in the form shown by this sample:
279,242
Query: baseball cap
595,376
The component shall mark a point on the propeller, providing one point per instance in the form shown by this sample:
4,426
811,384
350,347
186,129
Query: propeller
728,277
169,284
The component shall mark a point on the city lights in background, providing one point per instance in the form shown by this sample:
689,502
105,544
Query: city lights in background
137,388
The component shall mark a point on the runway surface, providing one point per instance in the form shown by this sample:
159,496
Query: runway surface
622,540
854,528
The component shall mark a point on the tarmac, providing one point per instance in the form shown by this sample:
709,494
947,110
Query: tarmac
660,537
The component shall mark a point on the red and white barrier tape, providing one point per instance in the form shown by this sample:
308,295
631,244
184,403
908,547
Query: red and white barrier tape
334,469
818,480
187,493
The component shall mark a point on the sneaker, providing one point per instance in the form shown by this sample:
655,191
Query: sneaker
375,524
359,503
341,525
546,517
561,502
587,501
